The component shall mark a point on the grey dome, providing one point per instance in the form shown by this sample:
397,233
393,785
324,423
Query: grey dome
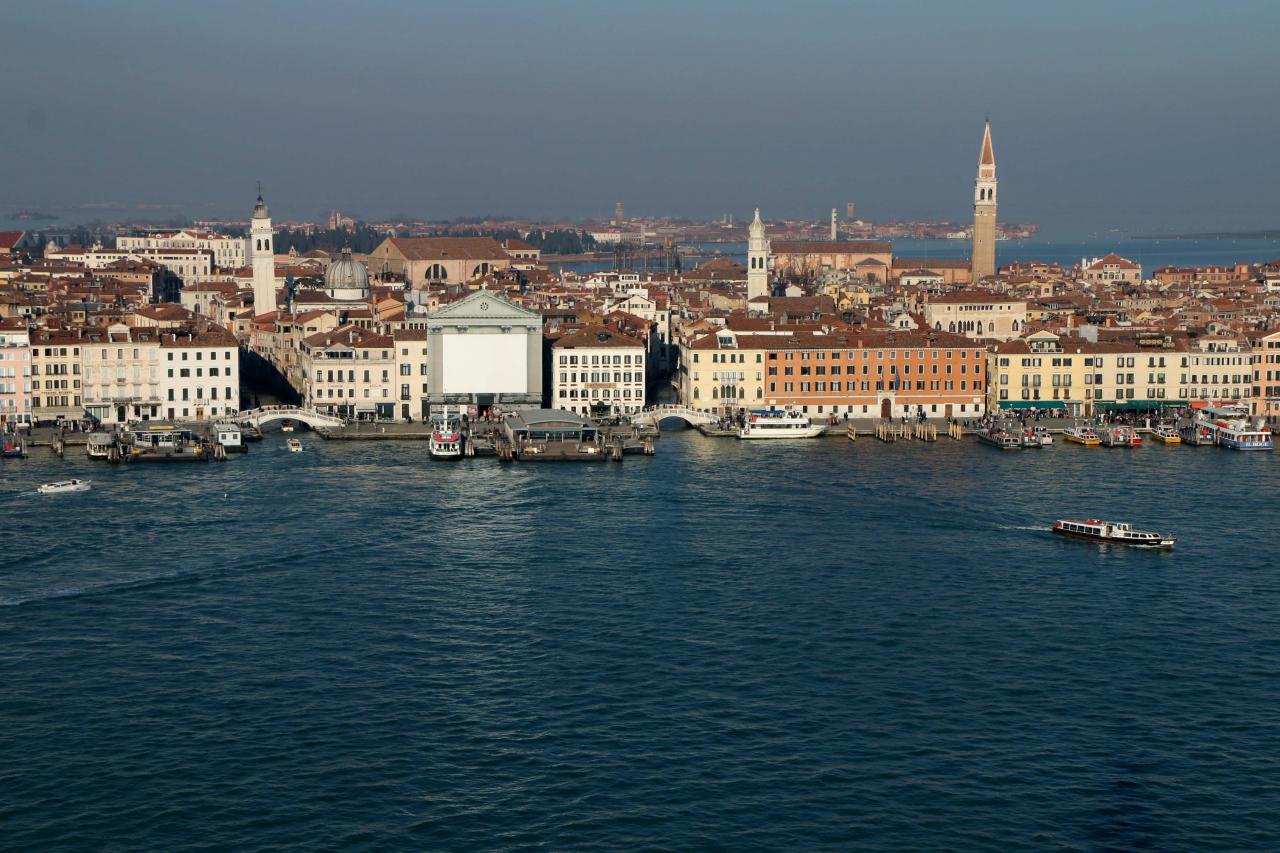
347,278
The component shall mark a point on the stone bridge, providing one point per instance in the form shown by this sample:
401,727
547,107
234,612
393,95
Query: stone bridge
269,414
693,417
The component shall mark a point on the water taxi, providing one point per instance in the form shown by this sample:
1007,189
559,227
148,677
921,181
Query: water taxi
1082,435
1167,434
778,423
294,445
1043,437
1112,532
1121,436
64,486
286,426
997,436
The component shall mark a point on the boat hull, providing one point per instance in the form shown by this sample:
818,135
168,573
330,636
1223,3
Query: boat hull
808,432
1166,542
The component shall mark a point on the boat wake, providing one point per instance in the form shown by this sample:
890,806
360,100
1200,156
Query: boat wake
1040,529
135,583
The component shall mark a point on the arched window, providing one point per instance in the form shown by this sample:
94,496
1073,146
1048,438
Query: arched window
482,268
437,272
951,327
742,393
938,325
696,395
715,393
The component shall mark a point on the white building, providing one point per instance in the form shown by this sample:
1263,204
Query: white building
201,374
484,351
228,252
598,366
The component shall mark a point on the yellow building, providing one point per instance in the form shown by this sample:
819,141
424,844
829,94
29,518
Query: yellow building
1051,372
723,370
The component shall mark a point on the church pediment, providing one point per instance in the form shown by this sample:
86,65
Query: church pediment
485,305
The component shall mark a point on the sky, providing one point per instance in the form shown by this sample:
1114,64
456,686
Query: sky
1141,117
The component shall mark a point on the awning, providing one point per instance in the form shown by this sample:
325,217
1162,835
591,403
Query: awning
1033,404
1131,405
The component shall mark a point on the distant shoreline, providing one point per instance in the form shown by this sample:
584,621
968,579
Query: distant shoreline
1213,235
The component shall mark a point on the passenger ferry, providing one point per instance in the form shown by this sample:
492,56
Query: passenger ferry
1112,532
998,436
445,443
778,423
1166,433
1231,428
1080,434
446,435
1121,436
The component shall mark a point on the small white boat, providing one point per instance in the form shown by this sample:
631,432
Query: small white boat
1043,437
1167,433
779,423
64,486
287,426
1112,532
294,445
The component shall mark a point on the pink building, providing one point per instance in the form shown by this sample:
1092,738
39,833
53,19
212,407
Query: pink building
15,372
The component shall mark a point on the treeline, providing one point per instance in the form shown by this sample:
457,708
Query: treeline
362,240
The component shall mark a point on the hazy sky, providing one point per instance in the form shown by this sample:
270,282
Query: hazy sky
1137,116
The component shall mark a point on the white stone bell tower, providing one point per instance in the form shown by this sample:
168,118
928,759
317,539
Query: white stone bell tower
757,259
262,249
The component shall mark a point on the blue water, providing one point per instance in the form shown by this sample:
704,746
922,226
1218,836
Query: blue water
802,646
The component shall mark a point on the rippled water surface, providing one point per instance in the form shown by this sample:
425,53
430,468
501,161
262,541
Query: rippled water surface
802,645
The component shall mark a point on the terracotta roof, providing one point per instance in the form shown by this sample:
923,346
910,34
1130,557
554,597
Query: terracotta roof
449,248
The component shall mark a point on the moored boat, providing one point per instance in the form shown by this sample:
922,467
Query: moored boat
1166,434
65,486
446,434
1043,437
445,443
778,423
998,436
1121,436
1112,532
1081,434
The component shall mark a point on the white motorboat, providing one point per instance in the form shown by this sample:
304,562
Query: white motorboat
778,423
65,486
294,445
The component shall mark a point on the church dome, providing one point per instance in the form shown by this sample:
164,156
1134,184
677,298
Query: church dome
347,278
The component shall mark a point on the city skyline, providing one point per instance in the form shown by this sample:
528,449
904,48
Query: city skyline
1111,121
